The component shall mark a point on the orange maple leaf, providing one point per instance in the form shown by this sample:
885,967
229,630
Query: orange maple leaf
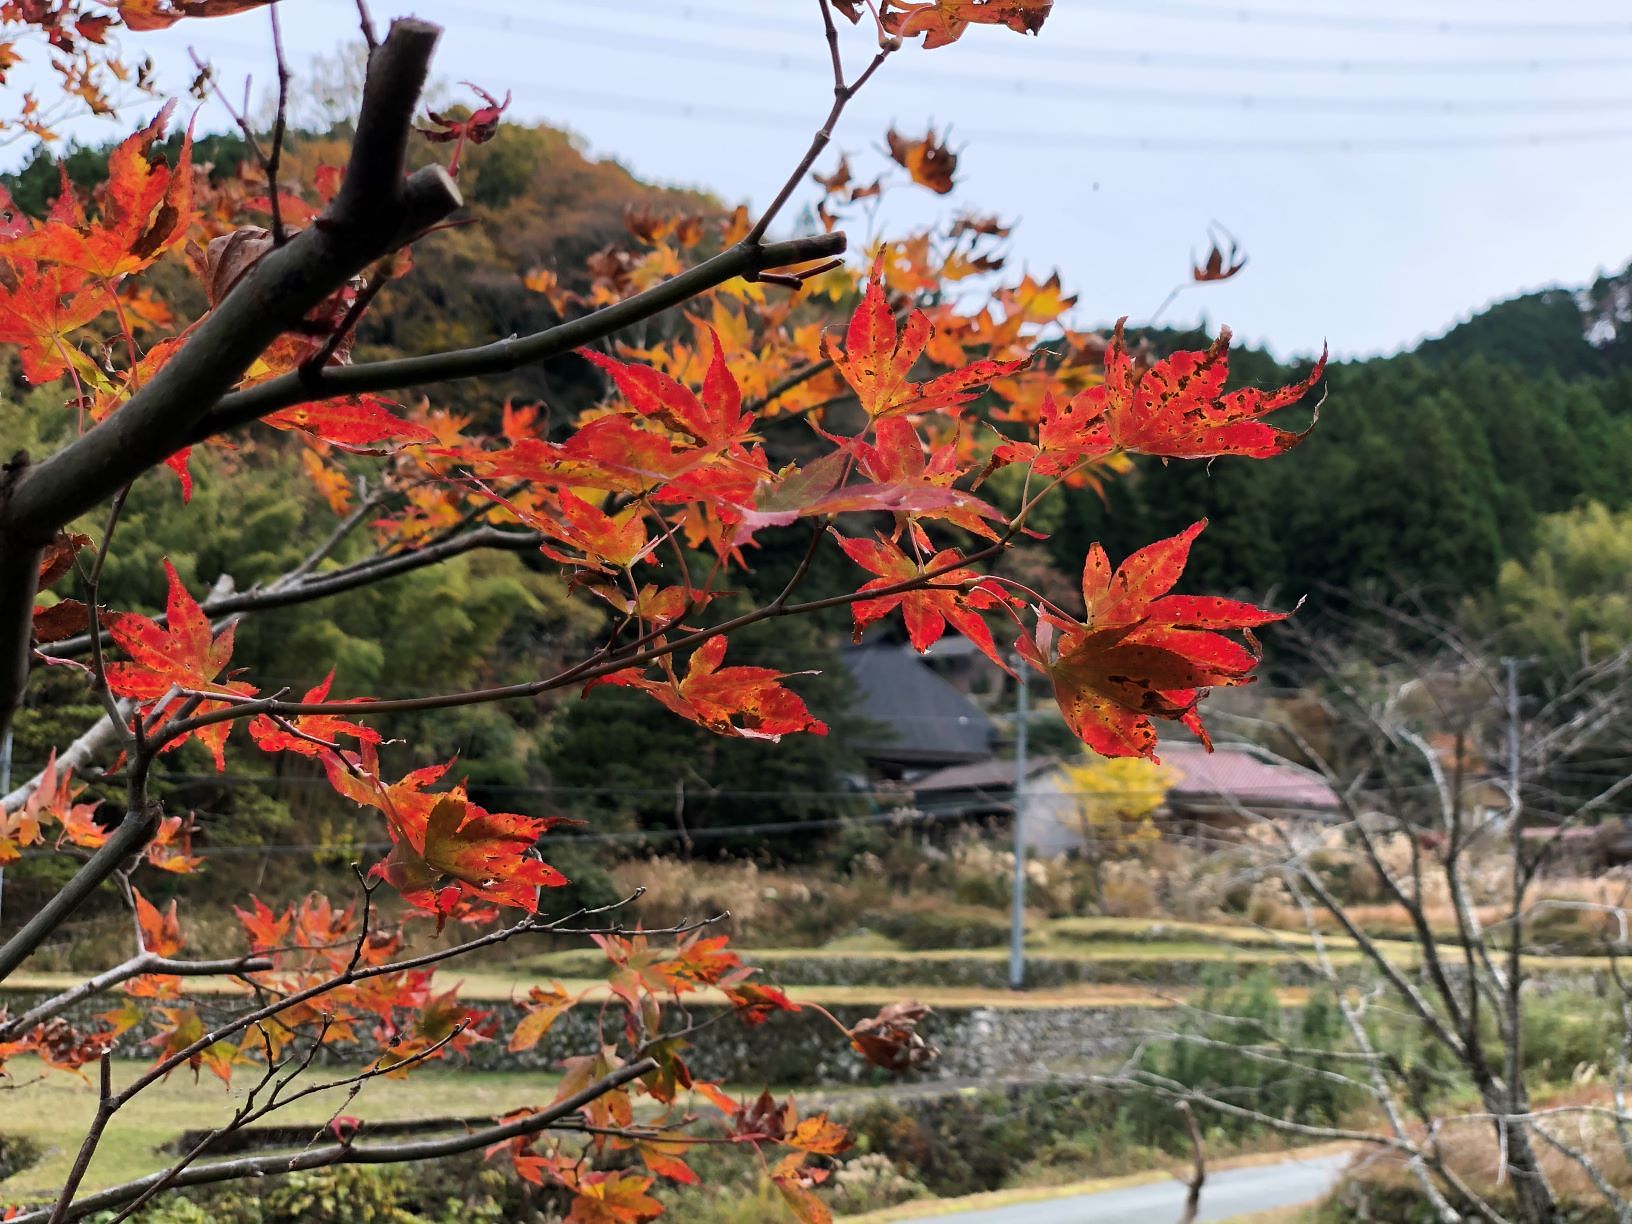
612,1198
146,208
1141,653
927,160
944,21
161,932
143,15
544,1008
955,597
266,929
746,702
877,359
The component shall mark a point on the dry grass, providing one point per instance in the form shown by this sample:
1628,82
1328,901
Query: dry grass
1470,1149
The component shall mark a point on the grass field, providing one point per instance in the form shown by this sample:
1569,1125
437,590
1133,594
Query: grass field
56,1111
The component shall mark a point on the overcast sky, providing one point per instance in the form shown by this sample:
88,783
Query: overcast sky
1389,166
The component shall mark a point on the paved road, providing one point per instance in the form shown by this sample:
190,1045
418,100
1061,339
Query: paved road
1225,1194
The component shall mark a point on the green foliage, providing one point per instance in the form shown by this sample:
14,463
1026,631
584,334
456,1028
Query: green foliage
457,1192
1539,331
1572,595
1234,1014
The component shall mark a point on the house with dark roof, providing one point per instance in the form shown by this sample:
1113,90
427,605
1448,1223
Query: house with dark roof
926,722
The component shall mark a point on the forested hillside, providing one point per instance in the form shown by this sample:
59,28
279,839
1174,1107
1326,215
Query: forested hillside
1429,469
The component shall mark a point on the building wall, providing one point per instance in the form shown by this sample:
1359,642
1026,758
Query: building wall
1049,814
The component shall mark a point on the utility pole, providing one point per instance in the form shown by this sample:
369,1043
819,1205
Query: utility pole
1512,666
1017,916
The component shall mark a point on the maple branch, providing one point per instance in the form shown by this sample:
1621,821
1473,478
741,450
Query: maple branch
501,356
249,1113
355,973
375,211
350,1153
93,1136
641,653
136,966
19,580
274,160
334,582
842,94
125,840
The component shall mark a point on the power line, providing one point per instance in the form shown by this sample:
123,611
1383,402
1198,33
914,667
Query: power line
675,109
1381,25
1045,46
1029,86
651,108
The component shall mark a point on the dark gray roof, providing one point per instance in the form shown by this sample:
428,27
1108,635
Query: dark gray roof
930,722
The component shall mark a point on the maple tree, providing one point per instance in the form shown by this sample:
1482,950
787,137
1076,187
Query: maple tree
651,504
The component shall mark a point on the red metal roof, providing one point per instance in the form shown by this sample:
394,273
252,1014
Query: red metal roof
1233,775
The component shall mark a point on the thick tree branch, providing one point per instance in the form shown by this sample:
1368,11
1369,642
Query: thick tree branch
334,582
19,582
375,212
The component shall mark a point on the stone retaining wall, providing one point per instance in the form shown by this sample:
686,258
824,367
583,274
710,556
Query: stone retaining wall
803,1049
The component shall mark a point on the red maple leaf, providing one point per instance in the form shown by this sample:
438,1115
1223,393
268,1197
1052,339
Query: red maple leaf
613,453
954,597
877,359
1141,653
1066,437
716,421
349,422
1178,409
477,128
462,849
182,657
184,654
606,543
896,458
317,732
747,702
444,847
